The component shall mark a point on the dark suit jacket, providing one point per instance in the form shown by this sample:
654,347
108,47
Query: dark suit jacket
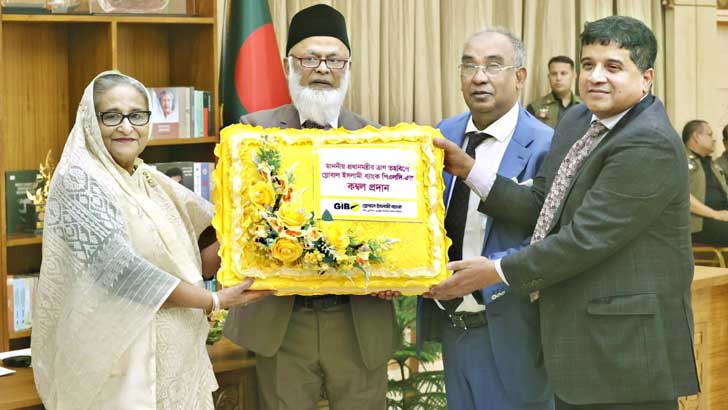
616,267
513,324
261,326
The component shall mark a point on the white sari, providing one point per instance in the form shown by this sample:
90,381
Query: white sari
114,247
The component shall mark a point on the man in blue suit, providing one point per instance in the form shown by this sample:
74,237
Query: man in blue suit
490,339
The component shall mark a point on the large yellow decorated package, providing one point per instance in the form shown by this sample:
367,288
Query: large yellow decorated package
330,212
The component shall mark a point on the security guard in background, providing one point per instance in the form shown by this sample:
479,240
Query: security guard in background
708,188
723,159
552,106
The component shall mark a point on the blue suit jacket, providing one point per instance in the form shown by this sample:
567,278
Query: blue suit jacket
513,321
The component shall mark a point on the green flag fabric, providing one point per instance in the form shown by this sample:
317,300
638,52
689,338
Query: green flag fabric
252,74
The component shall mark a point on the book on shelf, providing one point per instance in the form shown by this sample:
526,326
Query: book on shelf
24,6
196,176
19,209
179,112
207,113
21,296
211,285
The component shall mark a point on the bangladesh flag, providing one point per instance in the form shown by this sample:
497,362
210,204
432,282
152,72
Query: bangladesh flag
252,75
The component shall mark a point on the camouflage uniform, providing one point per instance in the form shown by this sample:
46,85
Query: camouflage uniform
548,109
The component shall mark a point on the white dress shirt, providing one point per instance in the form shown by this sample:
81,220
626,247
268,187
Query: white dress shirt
490,152
482,176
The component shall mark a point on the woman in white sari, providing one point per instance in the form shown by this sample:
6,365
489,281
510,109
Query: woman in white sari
119,321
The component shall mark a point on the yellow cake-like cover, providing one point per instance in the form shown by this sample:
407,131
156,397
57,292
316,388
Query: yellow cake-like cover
330,212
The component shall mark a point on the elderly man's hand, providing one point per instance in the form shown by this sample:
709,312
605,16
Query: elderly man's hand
469,275
457,162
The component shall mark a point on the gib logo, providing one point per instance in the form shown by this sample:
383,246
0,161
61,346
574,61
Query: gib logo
346,206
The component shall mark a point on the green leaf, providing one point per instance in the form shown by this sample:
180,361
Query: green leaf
326,216
423,390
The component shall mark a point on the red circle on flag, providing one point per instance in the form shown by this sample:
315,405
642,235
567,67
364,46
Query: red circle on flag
259,79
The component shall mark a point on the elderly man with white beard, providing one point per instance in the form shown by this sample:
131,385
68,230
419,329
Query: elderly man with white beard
332,343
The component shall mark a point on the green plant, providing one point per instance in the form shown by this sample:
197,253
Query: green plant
414,390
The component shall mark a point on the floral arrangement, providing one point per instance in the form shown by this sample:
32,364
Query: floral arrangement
285,232
216,321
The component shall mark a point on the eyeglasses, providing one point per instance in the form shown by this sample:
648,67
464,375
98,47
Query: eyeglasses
491,69
314,62
112,118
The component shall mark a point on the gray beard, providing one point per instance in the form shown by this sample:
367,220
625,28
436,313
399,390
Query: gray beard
319,106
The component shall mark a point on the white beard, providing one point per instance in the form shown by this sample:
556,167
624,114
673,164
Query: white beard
319,106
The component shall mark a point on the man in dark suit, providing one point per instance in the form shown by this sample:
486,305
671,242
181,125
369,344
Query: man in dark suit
610,254
305,345
490,339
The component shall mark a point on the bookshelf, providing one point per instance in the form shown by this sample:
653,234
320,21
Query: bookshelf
46,61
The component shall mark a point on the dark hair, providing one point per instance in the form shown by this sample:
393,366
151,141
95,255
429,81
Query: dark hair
725,134
561,59
109,81
174,172
626,32
690,128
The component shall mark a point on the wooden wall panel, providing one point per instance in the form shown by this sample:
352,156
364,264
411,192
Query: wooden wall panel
3,143
191,51
718,348
35,101
710,313
144,53
89,54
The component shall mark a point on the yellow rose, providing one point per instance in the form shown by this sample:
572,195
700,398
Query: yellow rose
292,215
262,194
310,259
286,250
337,235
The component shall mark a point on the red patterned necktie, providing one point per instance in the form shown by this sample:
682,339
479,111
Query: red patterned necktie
568,168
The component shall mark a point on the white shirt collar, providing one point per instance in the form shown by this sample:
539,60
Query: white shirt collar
610,122
502,128
333,124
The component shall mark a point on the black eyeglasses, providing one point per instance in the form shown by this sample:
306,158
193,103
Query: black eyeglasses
313,62
112,118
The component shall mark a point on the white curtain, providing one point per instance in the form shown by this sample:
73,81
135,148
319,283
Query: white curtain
405,52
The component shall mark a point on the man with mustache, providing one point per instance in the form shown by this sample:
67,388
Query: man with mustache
332,343
610,254
490,338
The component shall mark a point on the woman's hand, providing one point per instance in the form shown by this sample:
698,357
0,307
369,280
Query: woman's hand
240,295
